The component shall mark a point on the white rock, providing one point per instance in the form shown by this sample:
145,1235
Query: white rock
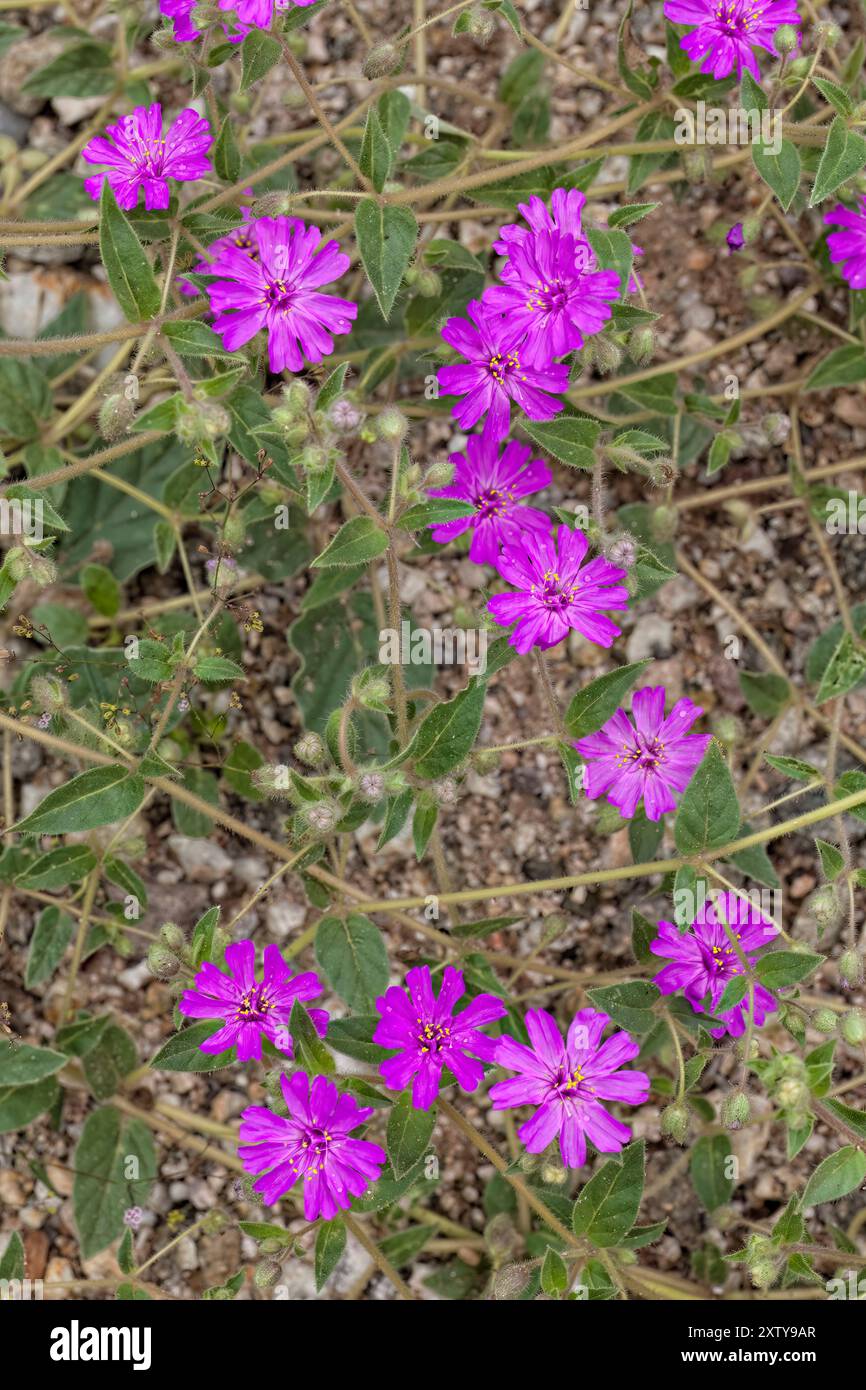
201,860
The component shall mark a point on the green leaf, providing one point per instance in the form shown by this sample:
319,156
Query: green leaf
101,588
607,1205
780,171
352,1037
82,70
106,1064
376,153
844,155
569,438
402,1247
845,669
330,1244
554,1274
600,700
854,1119
359,540
126,265
115,1165
309,1051
435,513
183,1051
196,339
837,96
630,1004
24,1065
424,823
838,1175
819,1067
408,1134
188,819
97,797
766,693
58,868
24,399
793,767
217,668
447,734
643,931
709,814
844,366
630,212
386,241
259,53
51,936
203,937
352,954
832,860
21,1104
12,1260
226,155
781,968
709,1167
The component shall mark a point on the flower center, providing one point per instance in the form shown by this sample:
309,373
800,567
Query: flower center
547,297
737,17
723,960
279,295
553,592
254,1005
646,753
492,502
433,1037
501,367
315,1147
150,153
572,1084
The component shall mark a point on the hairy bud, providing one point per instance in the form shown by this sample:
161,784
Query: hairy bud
824,1020
511,1281
851,968
663,523
786,39
172,936
428,284
49,693
161,962
736,1110
825,907
310,749
728,729
641,345
383,60
481,25
267,1273
674,1123
115,416
371,786
344,415
776,427
622,551
853,1028
392,425
322,817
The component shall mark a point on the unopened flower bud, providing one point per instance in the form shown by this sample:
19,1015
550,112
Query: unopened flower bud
161,962
313,459
663,523
776,427
428,284
271,1245
825,907
786,39
853,1028
792,1093
322,817
607,355
662,472
42,570
829,32
392,425
446,791
511,1281
115,416
272,779
371,786
344,415
267,1274
763,1274
735,1110
728,729
171,936
310,749
502,1238
674,1123
481,26
641,345
851,968
383,60
824,1020
622,551
372,689
440,474
234,531
48,693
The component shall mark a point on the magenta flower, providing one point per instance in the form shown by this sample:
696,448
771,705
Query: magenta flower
430,1036
555,593
728,31
251,1010
258,14
552,295
703,959
180,13
312,1142
568,1081
138,157
564,216
849,247
652,758
279,292
735,239
494,483
496,373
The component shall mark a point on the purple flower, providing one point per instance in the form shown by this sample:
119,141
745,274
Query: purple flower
251,1010
703,959
552,295
555,593
651,758
496,373
180,12
312,1142
563,216
280,293
257,14
493,482
138,157
735,239
849,247
430,1036
727,31
568,1081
